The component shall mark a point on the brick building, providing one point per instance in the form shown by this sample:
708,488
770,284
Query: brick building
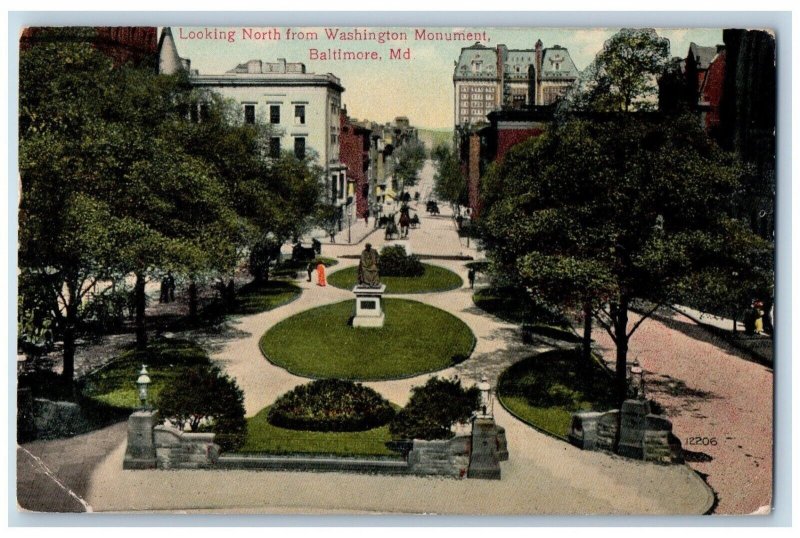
482,146
135,44
355,142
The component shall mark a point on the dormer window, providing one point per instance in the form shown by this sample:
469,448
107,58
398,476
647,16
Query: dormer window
476,65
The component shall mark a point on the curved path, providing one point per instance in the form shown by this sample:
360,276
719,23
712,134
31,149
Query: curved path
542,476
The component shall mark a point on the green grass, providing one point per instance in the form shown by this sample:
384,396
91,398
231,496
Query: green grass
263,437
320,343
545,389
434,279
255,297
166,360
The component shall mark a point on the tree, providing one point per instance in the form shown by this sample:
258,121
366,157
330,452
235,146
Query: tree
206,399
105,190
618,210
624,75
433,409
449,182
409,159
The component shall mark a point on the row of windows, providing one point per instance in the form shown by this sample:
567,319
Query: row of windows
299,147
487,97
275,114
476,89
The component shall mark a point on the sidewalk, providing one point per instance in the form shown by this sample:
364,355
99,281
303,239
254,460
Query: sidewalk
759,346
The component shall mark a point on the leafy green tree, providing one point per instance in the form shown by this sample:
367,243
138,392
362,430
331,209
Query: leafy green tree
206,399
105,191
433,409
606,212
624,75
409,159
449,182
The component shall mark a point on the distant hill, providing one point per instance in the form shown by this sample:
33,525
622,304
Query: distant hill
435,137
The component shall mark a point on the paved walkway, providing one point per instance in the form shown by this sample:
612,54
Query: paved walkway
711,390
543,475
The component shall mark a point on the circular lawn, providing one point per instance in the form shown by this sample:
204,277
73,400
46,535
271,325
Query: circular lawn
434,279
321,343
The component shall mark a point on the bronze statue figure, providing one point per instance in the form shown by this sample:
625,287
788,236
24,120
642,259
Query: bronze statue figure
368,268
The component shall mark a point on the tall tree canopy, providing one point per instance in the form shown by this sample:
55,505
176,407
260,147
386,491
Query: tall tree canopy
624,75
449,183
128,172
409,159
601,213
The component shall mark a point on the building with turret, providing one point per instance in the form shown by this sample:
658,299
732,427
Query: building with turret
488,79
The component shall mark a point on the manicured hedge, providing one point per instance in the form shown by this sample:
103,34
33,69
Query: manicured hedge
394,261
331,405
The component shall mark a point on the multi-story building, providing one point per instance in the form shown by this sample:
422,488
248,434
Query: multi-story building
302,108
355,143
488,79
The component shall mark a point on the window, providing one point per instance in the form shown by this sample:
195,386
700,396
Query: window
250,114
274,113
300,114
300,147
334,138
275,147
334,181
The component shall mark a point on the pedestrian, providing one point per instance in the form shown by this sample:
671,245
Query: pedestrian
758,306
366,217
310,269
471,277
164,297
321,275
170,287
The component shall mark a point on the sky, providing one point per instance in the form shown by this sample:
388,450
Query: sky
421,87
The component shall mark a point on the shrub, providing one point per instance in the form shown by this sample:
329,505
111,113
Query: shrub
107,311
434,408
206,399
331,405
394,261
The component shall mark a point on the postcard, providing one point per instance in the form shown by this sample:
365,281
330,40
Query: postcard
396,270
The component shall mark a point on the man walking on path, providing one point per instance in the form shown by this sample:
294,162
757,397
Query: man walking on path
310,269
471,277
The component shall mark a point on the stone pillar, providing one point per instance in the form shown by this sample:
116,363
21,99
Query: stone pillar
632,427
141,451
484,461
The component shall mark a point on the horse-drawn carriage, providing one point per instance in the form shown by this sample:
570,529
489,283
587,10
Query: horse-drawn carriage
432,207
304,253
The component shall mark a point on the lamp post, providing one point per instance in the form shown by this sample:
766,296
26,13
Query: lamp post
637,380
143,382
486,397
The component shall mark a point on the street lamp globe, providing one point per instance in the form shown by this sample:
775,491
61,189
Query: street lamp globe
486,401
143,382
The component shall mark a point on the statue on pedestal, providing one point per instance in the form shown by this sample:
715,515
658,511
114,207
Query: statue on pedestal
368,268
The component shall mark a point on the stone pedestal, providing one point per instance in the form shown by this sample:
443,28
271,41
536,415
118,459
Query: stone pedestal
141,450
632,427
484,461
369,310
